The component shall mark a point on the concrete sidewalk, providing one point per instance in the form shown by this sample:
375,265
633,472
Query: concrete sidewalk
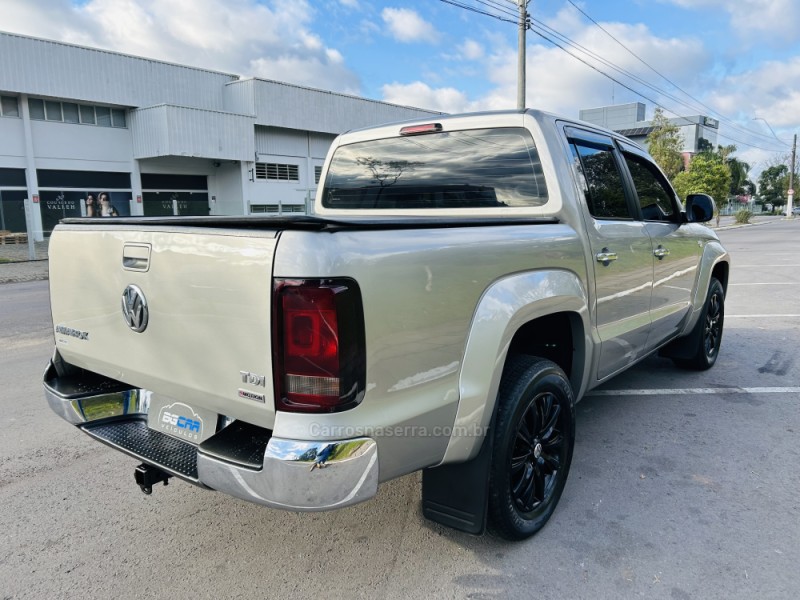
29,270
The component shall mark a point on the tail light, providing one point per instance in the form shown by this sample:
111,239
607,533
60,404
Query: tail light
318,345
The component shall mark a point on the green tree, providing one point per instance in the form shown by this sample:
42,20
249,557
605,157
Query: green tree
773,185
664,144
725,152
707,174
739,169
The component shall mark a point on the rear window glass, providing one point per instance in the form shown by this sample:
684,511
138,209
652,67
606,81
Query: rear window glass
484,168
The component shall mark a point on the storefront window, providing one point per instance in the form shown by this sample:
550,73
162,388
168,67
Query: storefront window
162,204
57,205
12,211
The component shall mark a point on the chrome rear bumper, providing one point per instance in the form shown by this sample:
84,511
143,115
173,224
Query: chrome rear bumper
241,460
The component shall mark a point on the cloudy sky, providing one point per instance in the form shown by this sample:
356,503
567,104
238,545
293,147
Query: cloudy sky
729,60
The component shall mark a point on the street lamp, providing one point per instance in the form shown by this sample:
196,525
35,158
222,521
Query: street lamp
791,171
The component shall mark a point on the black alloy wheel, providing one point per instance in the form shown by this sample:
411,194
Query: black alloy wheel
534,439
709,338
712,331
539,450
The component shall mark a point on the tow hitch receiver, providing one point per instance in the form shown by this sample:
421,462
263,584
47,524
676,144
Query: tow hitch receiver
147,476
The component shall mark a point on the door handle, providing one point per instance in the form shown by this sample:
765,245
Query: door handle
605,256
136,257
660,252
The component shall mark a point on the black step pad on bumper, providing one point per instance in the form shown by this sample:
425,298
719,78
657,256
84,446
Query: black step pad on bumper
240,443
135,438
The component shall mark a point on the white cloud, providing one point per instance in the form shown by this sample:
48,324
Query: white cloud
761,21
421,95
245,37
560,83
770,91
302,71
471,50
406,25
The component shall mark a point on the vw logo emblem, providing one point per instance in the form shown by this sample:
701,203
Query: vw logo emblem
134,308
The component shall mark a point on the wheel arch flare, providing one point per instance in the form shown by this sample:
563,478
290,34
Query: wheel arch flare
509,306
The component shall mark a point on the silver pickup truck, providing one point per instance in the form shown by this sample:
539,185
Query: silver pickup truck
461,285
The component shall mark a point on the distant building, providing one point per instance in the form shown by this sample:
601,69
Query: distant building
698,131
158,138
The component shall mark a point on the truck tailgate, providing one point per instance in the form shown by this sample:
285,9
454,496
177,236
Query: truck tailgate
203,338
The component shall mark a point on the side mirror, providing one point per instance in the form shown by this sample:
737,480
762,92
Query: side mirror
699,208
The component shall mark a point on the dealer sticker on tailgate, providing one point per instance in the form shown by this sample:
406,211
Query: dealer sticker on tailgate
181,420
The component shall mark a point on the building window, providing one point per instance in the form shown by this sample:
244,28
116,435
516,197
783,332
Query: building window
317,174
277,172
52,110
87,114
118,117
9,106
69,112
103,116
36,107
263,208
276,208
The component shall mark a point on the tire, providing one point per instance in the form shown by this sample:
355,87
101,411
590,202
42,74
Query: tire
533,440
709,333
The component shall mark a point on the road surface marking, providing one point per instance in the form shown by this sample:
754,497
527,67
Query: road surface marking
695,391
760,316
768,283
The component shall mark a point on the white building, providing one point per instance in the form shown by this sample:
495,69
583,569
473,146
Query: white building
158,138
697,131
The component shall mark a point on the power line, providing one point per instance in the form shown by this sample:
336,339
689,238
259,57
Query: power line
627,73
637,57
730,122
544,31
503,9
478,11
604,61
638,93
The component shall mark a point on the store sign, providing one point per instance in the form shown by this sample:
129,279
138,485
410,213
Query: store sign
60,202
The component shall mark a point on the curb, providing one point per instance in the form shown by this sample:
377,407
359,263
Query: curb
740,225
24,271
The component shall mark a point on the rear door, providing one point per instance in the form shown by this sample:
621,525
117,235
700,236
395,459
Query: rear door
621,249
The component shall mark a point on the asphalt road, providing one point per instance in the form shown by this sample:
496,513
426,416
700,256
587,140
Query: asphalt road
685,487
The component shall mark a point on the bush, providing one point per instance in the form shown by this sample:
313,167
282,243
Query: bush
743,216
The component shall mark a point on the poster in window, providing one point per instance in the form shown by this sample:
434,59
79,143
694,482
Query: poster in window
57,205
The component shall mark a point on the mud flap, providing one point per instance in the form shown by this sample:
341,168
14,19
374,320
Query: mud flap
457,495
684,347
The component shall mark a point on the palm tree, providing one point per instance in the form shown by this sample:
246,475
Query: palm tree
739,169
739,183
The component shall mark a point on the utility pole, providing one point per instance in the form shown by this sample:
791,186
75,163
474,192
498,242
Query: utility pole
791,179
523,26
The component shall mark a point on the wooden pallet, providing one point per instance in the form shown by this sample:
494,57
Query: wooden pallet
6,237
